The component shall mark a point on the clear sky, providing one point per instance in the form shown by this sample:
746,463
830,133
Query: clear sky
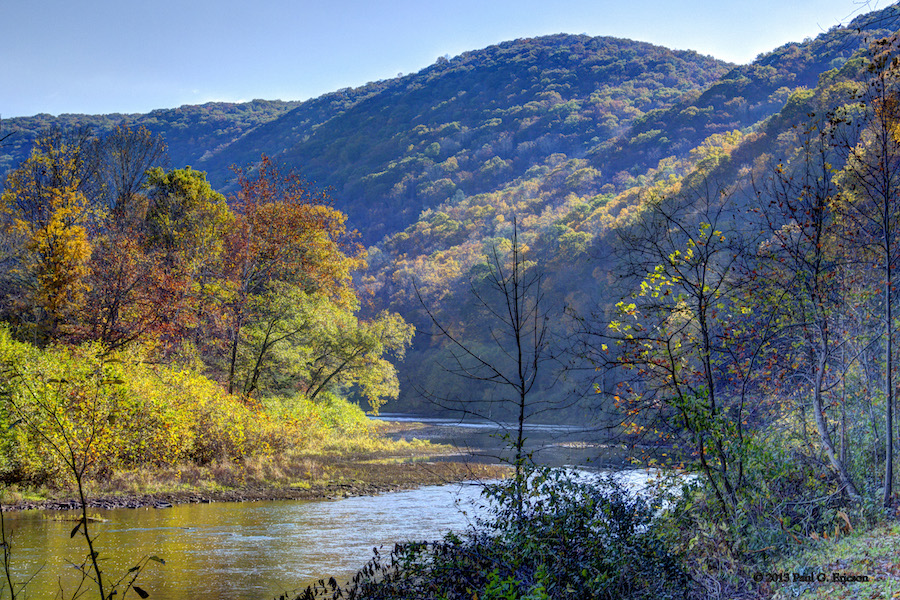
105,56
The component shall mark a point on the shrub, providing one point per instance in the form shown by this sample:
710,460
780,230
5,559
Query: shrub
119,411
66,408
788,498
574,538
116,411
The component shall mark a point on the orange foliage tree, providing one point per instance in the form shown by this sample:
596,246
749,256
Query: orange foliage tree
286,233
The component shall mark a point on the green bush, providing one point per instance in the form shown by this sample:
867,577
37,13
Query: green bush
120,411
788,498
572,539
66,408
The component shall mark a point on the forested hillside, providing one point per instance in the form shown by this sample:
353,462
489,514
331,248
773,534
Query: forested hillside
571,210
470,124
569,135
191,132
466,125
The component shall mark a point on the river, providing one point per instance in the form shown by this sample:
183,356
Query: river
258,550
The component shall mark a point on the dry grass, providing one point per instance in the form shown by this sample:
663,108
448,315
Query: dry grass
369,461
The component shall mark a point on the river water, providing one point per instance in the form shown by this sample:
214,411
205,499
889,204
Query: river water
481,440
229,550
258,550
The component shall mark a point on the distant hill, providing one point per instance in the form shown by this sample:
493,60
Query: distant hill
191,132
568,134
466,125
469,124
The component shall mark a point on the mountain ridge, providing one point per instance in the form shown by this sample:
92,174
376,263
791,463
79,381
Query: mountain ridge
320,136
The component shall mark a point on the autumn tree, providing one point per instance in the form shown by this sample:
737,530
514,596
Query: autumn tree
688,339
286,240
186,226
870,181
125,157
48,212
805,257
130,294
293,312
131,297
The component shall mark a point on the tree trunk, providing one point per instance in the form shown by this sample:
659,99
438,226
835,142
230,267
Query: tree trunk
822,426
889,387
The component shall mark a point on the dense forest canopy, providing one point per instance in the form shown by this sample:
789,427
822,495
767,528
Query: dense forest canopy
468,123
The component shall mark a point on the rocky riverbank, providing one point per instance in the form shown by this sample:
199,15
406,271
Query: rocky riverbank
344,479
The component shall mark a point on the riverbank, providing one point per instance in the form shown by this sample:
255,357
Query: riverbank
861,564
341,479
363,467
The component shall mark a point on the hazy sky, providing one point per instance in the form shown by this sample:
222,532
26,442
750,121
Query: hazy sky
104,56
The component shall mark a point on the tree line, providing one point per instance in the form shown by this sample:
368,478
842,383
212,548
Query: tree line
103,245
148,320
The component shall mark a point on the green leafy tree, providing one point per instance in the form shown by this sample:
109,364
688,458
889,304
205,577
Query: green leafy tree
308,343
186,218
690,338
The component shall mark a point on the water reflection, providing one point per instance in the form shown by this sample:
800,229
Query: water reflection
231,550
258,550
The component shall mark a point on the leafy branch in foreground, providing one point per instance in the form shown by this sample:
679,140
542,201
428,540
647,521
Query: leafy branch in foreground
70,404
691,337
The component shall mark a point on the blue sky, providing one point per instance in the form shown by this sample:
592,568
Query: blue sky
104,56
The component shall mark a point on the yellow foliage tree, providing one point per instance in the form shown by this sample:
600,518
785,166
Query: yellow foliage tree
46,214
